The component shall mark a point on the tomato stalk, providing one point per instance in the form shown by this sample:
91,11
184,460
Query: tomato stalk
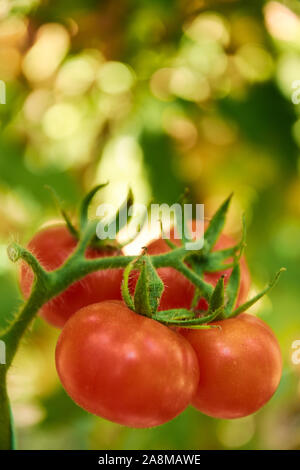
5,418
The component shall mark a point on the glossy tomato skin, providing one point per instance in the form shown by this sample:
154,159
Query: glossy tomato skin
240,365
125,367
52,246
179,291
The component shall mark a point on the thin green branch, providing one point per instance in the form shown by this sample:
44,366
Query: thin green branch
6,435
14,333
205,288
86,237
16,252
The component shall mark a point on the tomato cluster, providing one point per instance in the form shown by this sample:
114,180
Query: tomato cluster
135,371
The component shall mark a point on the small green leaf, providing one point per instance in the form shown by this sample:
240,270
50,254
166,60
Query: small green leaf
122,218
217,297
173,314
214,261
252,301
69,224
164,236
215,226
201,327
64,214
180,222
196,298
149,289
84,206
232,289
140,221
169,317
244,234
211,316
125,285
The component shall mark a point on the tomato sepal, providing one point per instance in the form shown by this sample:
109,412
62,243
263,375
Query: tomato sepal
216,225
249,303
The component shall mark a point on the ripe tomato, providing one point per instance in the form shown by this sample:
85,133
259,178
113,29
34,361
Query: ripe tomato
125,367
240,366
179,291
52,246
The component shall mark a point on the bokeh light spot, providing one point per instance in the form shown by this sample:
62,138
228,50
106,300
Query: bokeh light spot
115,78
50,47
61,120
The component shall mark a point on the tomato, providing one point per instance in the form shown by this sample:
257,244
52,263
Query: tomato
240,366
125,367
179,291
52,246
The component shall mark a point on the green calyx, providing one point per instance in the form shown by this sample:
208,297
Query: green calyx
193,264
148,289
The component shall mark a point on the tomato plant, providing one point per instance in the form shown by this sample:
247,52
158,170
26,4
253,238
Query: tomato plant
142,361
52,246
125,367
240,366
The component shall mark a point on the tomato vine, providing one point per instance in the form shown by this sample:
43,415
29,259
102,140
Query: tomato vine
190,263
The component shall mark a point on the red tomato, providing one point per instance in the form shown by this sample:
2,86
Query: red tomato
240,366
179,291
52,246
125,367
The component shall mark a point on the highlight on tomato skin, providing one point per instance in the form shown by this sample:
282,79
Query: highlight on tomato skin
240,366
52,246
179,291
125,367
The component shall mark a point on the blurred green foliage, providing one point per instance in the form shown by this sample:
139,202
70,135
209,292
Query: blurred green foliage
156,95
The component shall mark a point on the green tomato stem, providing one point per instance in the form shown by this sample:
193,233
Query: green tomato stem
6,441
